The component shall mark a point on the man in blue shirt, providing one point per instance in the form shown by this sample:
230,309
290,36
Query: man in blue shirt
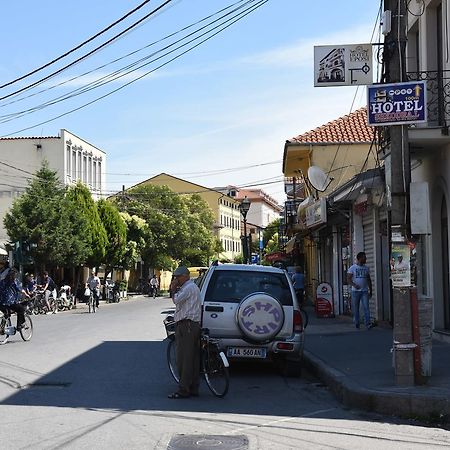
298,279
10,295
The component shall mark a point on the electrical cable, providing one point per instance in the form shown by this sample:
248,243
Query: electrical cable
114,76
124,56
258,5
77,47
95,50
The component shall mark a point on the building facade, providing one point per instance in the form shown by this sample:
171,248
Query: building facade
73,159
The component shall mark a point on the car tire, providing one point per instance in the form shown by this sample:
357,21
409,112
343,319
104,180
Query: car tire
260,317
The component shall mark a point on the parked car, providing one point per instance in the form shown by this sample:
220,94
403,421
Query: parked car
254,313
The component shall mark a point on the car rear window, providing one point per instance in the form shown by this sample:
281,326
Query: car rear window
231,286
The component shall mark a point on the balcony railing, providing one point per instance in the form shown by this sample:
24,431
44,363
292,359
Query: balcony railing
438,94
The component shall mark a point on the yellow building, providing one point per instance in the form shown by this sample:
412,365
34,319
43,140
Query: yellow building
227,219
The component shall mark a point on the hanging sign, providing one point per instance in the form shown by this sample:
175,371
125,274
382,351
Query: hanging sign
324,300
343,65
397,104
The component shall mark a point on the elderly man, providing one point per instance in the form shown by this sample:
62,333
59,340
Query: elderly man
187,317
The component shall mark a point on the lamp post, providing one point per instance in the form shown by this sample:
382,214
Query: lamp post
244,206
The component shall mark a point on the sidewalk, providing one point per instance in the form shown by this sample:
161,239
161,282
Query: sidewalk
357,367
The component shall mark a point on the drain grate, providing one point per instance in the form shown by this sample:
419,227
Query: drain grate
207,442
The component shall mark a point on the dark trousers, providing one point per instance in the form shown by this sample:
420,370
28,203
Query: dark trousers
17,308
187,338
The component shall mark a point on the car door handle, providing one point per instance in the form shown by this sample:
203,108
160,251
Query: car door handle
214,308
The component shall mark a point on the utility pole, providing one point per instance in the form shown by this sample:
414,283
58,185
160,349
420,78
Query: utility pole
395,57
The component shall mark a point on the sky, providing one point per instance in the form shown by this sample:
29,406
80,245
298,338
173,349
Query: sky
217,115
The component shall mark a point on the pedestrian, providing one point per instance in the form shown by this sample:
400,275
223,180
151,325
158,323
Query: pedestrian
49,288
186,297
93,283
154,285
10,295
358,277
298,279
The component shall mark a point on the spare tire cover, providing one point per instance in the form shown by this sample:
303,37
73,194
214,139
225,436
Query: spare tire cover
260,317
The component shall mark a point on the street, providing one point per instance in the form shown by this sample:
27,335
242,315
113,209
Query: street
101,381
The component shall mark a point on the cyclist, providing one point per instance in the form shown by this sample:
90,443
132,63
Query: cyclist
93,283
298,279
49,288
10,295
30,285
154,285
187,318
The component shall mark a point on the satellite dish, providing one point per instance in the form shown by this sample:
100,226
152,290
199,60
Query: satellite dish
318,178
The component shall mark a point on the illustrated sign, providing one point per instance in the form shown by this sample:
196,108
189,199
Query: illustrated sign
400,265
343,65
316,214
397,104
324,300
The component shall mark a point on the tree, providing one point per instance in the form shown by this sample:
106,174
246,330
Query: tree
116,232
47,219
138,236
95,233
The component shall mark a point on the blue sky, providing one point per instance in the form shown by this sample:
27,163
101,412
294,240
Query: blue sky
229,104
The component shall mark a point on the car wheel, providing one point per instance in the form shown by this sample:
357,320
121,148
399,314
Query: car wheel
260,317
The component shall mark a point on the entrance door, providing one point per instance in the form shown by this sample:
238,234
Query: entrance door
445,264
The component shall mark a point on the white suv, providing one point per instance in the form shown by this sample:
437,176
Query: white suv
254,312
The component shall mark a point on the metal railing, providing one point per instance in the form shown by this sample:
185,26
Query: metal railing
438,94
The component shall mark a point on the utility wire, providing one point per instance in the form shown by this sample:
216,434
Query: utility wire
96,49
77,47
258,5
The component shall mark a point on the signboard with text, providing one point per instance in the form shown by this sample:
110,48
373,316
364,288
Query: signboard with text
324,300
316,214
397,103
343,65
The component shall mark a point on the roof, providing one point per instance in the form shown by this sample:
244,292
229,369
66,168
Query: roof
349,129
14,138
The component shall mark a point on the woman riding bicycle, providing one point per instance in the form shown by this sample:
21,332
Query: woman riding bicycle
10,295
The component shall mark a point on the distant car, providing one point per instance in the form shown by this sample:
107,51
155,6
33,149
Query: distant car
254,312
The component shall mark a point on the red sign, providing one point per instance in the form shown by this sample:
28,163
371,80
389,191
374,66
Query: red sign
324,300
276,256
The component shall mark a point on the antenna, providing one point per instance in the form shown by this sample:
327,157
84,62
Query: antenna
318,179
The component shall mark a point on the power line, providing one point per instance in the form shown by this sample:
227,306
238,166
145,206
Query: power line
258,5
77,47
96,49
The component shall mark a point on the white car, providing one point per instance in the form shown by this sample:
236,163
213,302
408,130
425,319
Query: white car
254,312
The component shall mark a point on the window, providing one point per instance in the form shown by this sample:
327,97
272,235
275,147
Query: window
68,160
74,164
89,170
84,169
79,168
99,174
94,173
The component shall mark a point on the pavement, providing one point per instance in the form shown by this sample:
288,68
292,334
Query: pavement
357,366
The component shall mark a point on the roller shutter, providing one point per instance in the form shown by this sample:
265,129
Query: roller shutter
369,249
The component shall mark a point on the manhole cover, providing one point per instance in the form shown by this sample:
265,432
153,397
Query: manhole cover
207,442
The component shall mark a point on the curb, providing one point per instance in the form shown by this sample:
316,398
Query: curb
353,395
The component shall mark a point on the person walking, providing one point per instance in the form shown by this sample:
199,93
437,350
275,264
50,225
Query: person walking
187,318
298,279
49,288
358,277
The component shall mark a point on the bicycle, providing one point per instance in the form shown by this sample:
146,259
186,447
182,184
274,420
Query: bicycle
7,329
40,306
213,362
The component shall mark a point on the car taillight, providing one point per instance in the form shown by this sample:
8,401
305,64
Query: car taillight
298,321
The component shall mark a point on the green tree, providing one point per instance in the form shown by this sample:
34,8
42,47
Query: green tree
46,218
95,233
116,232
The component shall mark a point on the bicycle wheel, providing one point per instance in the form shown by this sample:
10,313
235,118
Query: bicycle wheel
216,374
4,323
53,305
27,329
172,360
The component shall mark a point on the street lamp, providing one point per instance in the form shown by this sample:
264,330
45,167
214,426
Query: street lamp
244,206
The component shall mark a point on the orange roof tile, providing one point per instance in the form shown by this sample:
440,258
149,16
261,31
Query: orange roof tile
351,128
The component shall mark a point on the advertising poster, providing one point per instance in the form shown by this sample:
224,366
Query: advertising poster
343,65
400,265
324,300
397,103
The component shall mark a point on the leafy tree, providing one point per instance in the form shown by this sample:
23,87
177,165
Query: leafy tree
48,220
116,232
270,230
95,233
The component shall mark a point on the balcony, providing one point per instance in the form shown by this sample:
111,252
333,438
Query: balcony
438,95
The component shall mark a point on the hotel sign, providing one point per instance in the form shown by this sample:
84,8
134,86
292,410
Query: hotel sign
343,65
397,104
316,214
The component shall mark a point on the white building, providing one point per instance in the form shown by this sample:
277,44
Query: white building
70,156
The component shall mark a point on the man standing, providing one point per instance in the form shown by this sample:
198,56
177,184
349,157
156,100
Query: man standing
154,285
49,288
93,283
358,277
187,318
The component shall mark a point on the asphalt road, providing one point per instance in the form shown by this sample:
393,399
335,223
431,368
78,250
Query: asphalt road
100,381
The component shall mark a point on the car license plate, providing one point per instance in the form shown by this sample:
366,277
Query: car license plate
246,352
